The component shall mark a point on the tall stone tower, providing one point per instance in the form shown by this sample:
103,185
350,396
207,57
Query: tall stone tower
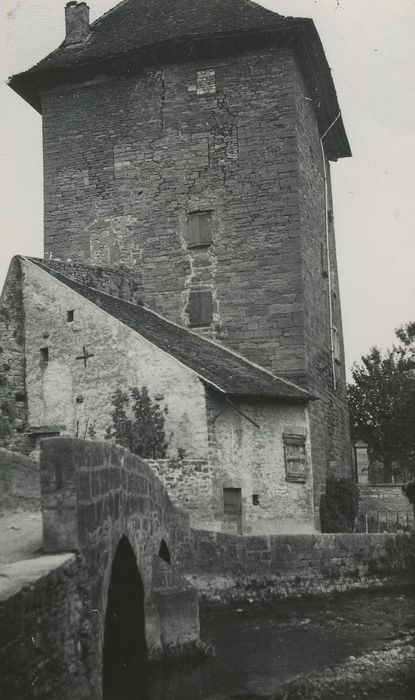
191,142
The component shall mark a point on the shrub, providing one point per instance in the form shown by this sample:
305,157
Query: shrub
339,505
409,491
138,423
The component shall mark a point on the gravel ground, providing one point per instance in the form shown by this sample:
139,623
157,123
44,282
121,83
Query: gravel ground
385,674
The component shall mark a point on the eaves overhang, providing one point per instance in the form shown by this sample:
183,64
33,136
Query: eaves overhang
300,35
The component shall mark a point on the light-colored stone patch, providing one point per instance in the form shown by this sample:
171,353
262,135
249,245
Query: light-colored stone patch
206,82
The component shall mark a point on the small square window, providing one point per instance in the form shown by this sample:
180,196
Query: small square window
199,228
70,315
295,457
255,499
200,308
44,354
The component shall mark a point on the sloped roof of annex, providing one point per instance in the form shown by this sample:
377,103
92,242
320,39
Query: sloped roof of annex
216,366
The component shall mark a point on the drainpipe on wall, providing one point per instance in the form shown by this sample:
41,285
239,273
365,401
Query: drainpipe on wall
326,212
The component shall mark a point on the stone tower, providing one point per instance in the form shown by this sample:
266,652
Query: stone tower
190,141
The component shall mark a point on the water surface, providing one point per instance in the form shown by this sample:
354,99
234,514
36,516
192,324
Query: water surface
260,647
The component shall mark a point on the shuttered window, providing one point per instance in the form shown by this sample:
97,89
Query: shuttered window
336,345
199,227
295,457
200,308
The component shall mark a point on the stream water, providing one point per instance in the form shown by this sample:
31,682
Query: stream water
260,647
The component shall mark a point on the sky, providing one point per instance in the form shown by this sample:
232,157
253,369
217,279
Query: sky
370,48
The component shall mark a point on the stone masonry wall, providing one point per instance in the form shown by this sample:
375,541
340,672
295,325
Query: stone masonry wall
388,501
139,154
52,618
64,391
246,457
13,406
228,569
19,481
248,451
119,282
237,138
190,485
329,417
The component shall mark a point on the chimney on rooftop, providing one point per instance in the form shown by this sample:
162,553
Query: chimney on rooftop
77,22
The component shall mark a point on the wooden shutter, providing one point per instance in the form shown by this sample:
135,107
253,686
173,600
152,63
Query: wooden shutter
336,345
295,457
200,308
199,225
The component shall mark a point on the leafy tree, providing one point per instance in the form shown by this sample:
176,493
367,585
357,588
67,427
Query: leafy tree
382,403
138,423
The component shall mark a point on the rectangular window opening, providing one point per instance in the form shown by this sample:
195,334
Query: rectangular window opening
199,229
70,315
255,499
44,354
295,457
200,308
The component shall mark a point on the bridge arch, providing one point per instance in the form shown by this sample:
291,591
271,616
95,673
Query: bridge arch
164,552
125,648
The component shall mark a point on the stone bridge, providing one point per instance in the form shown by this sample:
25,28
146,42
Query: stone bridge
79,617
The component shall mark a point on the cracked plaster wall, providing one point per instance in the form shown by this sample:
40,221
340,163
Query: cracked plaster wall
252,458
121,358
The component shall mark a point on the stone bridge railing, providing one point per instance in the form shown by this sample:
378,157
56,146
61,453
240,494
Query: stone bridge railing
106,507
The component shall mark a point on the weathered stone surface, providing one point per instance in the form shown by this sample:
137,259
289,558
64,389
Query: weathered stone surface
119,282
13,405
228,568
122,179
386,502
19,482
235,452
78,397
52,608
247,457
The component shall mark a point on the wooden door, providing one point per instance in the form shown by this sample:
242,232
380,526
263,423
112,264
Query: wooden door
232,511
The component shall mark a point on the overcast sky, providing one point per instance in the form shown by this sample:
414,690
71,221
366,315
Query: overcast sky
371,49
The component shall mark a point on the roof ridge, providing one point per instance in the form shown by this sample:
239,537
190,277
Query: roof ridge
108,12
186,330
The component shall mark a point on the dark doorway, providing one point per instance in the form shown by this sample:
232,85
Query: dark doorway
164,552
125,650
232,511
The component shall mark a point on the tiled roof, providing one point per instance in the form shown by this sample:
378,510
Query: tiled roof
136,33
133,24
214,364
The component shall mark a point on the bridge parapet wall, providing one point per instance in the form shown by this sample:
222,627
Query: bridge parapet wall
91,489
94,497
